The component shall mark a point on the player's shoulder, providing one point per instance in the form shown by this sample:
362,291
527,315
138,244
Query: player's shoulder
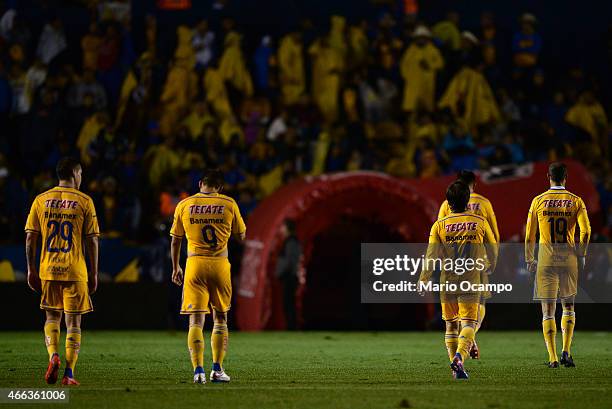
186,201
573,195
444,209
540,196
479,197
227,198
44,194
182,202
58,190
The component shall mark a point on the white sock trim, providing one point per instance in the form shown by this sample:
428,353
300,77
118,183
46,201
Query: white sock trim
569,313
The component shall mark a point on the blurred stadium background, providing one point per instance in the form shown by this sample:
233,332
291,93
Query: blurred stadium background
319,111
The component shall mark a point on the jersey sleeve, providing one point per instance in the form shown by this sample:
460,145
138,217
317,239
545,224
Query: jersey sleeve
238,226
492,220
177,229
530,232
432,252
585,228
33,222
444,210
91,226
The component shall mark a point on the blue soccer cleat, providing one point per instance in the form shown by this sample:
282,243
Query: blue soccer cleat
567,360
457,367
199,376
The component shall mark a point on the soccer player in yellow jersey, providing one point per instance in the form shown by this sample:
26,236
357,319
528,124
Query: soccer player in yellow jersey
481,206
460,237
555,214
63,217
207,219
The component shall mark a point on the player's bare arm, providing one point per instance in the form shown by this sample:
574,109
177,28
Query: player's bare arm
530,238
175,252
92,243
30,250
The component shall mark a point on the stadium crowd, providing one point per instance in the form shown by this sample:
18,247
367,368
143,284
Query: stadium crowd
390,93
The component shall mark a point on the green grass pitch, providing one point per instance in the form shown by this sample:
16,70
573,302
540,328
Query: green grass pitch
319,370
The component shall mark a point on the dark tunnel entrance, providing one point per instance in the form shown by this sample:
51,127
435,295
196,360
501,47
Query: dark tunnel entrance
332,300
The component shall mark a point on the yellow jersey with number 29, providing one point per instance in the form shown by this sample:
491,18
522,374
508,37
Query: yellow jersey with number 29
63,216
207,220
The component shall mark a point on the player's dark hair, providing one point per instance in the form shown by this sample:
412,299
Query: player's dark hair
213,178
466,176
557,171
458,196
65,168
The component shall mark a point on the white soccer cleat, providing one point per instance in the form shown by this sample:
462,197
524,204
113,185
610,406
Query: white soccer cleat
219,376
199,378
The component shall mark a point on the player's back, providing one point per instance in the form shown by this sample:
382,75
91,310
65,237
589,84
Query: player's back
462,235
207,220
478,205
63,216
462,228
556,213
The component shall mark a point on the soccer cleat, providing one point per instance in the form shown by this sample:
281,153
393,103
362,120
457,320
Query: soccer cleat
457,367
70,381
53,369
567,360
553,364
199,376
219,376
474,351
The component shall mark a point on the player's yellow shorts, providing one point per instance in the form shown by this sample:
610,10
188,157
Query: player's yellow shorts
72,297
207,281
555,282
462,307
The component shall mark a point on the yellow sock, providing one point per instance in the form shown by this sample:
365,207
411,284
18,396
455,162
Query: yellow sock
73,346
549,329
451,340
466,338
195,342
218,343
568,321
481,314
52,335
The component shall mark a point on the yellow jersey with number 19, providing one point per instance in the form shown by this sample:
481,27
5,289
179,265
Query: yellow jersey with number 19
63,216
555,214
207,220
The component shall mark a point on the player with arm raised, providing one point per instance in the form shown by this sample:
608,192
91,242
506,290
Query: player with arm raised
481,206
63,217
555,214
207,219
461,236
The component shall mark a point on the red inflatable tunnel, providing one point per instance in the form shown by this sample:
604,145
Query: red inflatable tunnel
315,203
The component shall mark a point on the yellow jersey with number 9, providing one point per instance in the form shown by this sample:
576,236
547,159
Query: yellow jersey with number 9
63,216
207,220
